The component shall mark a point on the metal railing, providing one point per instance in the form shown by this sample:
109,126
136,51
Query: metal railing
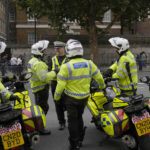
7,69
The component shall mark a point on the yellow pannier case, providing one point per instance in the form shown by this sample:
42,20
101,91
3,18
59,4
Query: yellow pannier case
96,102
24,99
114,123
121,101
33,118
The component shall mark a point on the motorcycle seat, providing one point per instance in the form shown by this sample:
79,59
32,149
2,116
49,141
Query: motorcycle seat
5,107
9,115
137,97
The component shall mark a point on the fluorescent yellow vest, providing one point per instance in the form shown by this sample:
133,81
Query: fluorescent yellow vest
55,62
40,76
75,76
120,71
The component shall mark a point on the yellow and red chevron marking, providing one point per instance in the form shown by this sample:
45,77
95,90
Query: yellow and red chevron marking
126,127
27,113
28,127
28,122
123,117
120,114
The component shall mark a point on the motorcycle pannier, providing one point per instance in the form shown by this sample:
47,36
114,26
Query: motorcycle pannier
114,123
33,118
96,102
25,100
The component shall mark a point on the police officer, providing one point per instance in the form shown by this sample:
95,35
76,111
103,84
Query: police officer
74,79
41,77
4,92
57,61
125,68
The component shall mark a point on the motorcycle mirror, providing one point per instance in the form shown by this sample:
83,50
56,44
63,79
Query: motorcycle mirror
28,75
145,79
25,76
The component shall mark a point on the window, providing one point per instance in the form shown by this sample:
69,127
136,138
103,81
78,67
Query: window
11,16
30,18
31,38
107,16
68,21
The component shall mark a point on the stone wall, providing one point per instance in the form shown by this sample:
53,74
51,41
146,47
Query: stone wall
106,53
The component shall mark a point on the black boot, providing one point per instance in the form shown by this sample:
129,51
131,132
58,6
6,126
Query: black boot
82,134
74,144
74,148
62,126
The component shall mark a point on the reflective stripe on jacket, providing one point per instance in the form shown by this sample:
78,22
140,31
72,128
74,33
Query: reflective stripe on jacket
120,71
40,76
55,62
75,76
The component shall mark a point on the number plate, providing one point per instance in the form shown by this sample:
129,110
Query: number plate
12,139
143,126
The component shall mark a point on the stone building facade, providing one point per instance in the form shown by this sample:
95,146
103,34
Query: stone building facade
3,19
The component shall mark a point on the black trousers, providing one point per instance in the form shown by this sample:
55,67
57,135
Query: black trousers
75,109
41,98
60,107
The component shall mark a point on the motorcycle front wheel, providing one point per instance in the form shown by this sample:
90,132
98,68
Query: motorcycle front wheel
144,142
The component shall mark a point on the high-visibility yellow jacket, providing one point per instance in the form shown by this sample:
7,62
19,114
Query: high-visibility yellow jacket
75,76
40,76
5,93
55,62
120,71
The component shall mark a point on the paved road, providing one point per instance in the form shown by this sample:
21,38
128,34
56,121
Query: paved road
58,140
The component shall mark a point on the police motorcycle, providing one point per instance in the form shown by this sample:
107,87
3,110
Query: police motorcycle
121,117
20,122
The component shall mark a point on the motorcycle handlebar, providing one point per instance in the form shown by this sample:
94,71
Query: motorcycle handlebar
109,79
145,79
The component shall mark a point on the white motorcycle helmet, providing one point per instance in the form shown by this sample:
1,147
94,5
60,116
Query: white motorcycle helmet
2,47
39,47
120,43
73,48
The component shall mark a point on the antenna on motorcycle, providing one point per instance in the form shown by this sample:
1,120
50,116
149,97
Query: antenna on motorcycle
129,74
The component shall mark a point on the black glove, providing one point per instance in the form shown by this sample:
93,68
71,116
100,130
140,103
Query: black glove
14,97
108,73
108,79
